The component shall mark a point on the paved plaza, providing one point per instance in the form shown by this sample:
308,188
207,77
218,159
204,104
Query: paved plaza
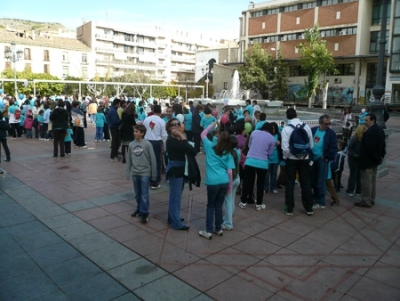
66,234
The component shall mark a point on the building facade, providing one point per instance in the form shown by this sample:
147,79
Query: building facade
47,53
352,32
161,55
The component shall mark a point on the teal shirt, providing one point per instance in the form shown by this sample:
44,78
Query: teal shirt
250,109
207,120
254,162
188,121
216,166
318,149
100,120
68,137
260,124
274,157
40,118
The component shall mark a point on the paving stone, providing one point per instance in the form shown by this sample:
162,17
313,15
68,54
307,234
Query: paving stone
12,265
38,240
54,254
93,242
113,256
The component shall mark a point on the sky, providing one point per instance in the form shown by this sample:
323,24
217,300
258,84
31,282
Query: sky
217,17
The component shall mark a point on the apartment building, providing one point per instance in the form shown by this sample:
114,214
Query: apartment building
159,54
351,30
47,53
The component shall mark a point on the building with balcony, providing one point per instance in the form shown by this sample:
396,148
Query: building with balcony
48,53
351,30
123,49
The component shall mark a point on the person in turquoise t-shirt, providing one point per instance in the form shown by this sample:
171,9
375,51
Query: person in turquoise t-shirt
208,118
324,150
260,123
219,165
67,141
273,162
100,120
187,115
249,107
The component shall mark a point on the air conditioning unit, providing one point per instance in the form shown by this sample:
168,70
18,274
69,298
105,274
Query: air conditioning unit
251,42
302,37
283,39
342,32
337,80
322,34
267,40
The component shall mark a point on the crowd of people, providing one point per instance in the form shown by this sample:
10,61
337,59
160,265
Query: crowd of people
245,154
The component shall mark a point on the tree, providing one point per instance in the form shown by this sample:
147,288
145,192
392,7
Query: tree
315,60
42,88
280,79
254,74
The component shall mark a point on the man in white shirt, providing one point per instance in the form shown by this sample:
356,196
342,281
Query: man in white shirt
157,135
300,164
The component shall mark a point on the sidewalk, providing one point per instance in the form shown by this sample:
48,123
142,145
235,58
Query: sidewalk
66,234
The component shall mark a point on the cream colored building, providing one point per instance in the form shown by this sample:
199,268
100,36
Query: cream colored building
48,53
122,49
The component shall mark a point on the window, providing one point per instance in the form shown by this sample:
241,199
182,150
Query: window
296,71
65,57
140,50
28,66
84,58
346,69
395,49
377,12
329,2
46,55
46,68
27,54
374,42
84,72
65,71
127,48
140,39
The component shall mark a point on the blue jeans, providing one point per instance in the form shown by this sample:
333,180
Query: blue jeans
215,200
319,175
230,203
99,133
93,118
174,204
270,180
141,186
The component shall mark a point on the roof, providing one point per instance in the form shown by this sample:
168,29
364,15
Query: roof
52,41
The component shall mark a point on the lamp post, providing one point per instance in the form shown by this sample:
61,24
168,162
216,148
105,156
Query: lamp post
207,80
13,55
379,90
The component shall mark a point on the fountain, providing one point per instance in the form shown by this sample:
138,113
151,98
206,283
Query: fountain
234,95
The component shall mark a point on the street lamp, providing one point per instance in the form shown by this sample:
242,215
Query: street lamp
207,80
14,56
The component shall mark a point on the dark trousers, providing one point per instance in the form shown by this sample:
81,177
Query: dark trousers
106,132
5,147
79,136
59,136
354,181
189,135
15,130
115,142
197,141
43,131
157,147
303,168
248,183
67,146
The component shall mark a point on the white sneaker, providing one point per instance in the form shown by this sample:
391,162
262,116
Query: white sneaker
274,191
350,194
225,227
242,205
260,207
317,206
155,187
205,234
219,233
95,140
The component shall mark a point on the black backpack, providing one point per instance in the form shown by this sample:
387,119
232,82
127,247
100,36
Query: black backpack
299,142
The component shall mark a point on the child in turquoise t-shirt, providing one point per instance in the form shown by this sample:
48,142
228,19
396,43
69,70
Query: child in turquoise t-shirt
67,141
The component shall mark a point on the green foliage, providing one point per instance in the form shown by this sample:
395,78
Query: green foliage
253,75
46,89
315,58
281,78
